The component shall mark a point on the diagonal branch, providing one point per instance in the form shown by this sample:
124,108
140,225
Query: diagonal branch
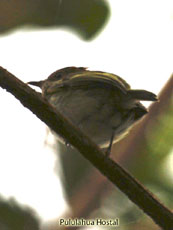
114,172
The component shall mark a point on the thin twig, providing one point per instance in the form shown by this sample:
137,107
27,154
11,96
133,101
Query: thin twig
115,173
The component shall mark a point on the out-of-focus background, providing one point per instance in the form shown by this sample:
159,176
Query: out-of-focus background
132,39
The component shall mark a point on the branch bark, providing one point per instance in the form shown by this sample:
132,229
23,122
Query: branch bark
114,172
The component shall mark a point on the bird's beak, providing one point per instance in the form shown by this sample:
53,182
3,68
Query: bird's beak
36,83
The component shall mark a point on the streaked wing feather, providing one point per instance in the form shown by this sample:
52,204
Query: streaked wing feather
95,79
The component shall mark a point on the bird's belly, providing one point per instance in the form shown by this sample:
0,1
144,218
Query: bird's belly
94,117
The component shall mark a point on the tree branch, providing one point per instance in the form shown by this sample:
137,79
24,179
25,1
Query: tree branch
114,172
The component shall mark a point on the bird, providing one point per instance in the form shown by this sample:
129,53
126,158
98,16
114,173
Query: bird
101,104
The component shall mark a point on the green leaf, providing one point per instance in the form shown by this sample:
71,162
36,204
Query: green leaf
86,17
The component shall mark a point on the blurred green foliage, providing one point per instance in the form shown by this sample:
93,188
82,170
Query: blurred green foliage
16,217
75,169
86,17
150,167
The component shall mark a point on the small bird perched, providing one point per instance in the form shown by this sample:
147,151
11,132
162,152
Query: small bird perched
101,104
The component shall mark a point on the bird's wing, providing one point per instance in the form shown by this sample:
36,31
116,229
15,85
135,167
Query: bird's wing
88,79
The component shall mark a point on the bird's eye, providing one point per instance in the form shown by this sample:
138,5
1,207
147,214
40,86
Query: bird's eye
55,76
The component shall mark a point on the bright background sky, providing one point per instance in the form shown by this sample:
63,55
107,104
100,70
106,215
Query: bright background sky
137,44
